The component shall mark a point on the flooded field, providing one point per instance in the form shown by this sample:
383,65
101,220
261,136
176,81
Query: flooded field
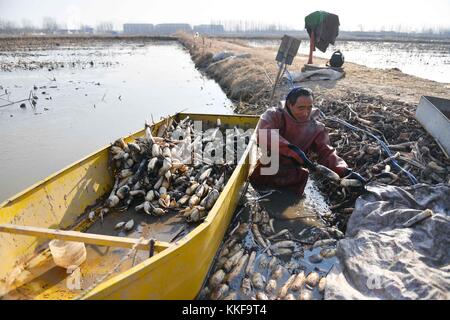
87,96
425,60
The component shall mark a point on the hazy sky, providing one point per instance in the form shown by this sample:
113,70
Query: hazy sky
353,14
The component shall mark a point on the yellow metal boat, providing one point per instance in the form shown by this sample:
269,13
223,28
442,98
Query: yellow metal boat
177,270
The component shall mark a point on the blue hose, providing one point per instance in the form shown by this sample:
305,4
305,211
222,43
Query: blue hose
383,145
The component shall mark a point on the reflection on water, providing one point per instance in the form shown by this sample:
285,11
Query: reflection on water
425,60
85,108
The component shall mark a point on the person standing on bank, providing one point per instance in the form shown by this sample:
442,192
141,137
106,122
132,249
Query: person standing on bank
299,134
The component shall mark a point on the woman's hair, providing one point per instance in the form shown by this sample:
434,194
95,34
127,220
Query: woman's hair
297,92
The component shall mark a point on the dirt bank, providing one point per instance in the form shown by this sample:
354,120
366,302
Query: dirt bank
247,79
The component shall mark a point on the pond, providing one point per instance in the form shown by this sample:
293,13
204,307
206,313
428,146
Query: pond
87,97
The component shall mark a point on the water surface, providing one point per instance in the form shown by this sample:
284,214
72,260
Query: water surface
82,107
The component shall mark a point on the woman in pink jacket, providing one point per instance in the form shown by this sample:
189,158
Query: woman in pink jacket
299,134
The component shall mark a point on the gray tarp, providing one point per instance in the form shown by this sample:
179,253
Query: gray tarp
380,259
222,55
315,75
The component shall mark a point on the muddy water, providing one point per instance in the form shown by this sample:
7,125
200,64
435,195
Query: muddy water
289,211
300,215
166,228
82,107
293,212
425,60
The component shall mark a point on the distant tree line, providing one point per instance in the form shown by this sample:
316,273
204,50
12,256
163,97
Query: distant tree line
399,28
49,25
246,26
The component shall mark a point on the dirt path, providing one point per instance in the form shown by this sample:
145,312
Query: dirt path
247,80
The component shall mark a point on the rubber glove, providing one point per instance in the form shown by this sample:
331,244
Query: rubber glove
300,157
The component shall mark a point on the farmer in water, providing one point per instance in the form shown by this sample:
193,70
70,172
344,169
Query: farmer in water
299,134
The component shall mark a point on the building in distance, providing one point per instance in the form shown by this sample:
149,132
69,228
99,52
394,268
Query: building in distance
138,28
209,29
171,28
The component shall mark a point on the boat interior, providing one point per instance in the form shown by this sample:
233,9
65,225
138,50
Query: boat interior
62,202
